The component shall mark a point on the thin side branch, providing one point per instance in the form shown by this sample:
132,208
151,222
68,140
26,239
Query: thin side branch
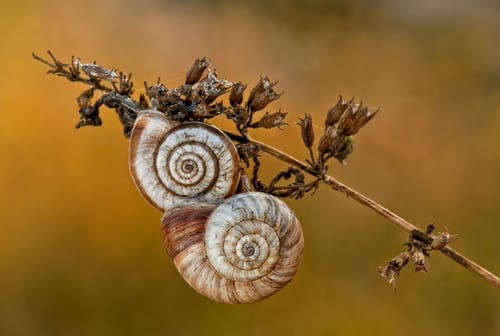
360,198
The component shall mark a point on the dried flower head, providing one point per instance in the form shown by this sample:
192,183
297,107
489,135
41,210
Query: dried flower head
211,87
362,116
270,120
262,94
84,99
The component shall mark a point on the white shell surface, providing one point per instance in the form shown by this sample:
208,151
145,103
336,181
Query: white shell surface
255,240
174,164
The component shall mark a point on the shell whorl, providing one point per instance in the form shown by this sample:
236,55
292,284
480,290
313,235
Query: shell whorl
243,250
174,164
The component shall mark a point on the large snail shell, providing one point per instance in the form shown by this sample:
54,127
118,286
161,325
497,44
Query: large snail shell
243,250
173,164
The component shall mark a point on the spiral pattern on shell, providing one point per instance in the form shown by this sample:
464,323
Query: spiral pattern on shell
174,164
243,250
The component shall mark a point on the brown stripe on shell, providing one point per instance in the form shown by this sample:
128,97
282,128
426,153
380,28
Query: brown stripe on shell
184,226
183,229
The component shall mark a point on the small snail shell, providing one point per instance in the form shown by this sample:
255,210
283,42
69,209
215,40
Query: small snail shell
243,250
173,164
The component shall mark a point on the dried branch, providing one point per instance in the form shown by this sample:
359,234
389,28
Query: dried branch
197,100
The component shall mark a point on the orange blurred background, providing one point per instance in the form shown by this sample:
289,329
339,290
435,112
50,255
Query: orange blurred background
81,252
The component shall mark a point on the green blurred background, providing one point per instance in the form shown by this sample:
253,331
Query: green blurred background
81,251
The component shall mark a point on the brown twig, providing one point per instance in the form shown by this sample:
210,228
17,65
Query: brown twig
360,198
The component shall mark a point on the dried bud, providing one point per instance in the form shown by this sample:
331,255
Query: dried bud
353,118
238,114
83,100
262,94
327,139
194,74
399,261
143,102
388,274
346,122
391,270
270,120
259,88
247,151
236,96
334,114
155,90
363,116
346,147
203,110
443,239
421,261
307,131
429,228
89,116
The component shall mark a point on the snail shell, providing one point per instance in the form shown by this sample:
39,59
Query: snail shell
243,250
173,164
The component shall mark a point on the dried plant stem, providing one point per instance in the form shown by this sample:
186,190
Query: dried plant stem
402,223
342,121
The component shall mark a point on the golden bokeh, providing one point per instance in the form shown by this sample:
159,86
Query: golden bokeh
81,252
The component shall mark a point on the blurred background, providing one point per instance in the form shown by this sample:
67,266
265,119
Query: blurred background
81,252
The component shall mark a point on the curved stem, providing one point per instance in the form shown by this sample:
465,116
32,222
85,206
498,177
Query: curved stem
360,198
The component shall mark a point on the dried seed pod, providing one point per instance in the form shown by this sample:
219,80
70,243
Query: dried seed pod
333,115
270,120
262,94
344,148
326,141
243,250
194,74
421,261
236,96
173,164
443,239
307,131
